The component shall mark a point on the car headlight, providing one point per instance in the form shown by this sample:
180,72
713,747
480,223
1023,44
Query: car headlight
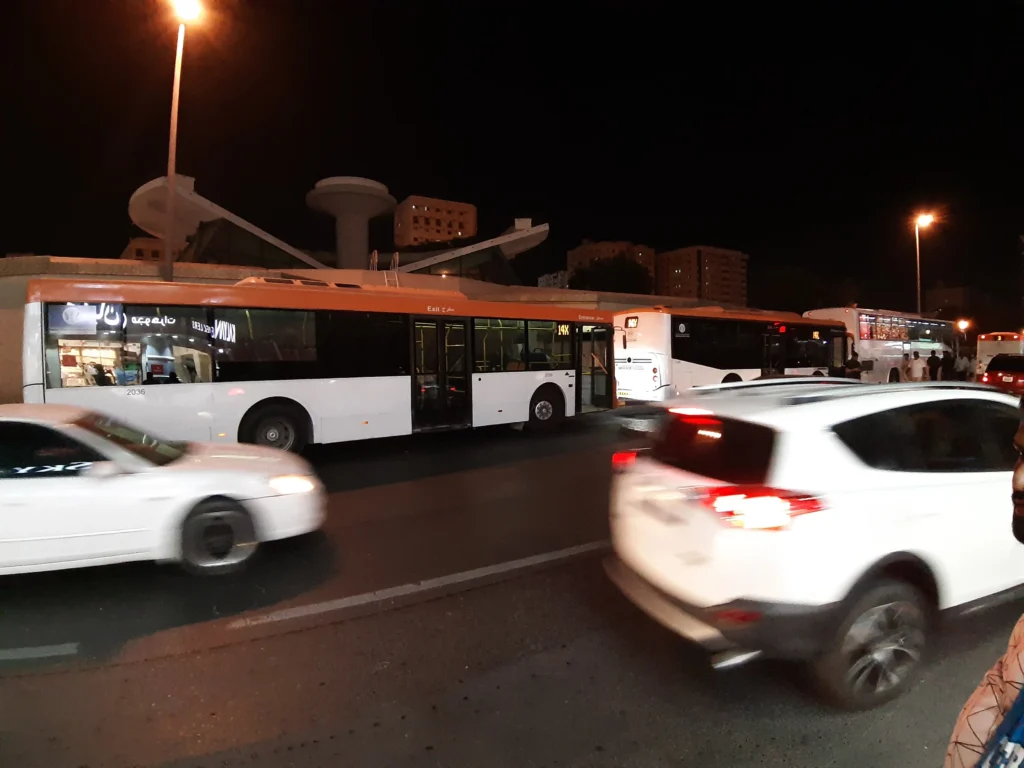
292,484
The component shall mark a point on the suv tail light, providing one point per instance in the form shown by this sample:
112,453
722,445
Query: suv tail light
623,460
984,378
758,508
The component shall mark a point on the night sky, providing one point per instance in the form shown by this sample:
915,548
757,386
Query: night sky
804,137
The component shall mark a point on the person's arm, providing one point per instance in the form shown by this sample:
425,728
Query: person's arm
991,700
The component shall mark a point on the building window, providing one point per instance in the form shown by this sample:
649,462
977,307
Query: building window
415,219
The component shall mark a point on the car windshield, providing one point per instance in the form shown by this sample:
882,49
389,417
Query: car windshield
145,446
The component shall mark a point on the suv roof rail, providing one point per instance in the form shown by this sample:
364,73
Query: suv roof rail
780,381
911,386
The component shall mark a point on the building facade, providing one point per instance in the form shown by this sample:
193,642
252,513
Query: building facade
421,220
559,279
589,251
703,272
146,249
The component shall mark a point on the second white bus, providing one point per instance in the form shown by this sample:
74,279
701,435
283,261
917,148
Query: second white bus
659,352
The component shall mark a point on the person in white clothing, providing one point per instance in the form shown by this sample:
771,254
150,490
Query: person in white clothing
918,368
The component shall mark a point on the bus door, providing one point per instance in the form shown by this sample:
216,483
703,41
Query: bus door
774,351
440,383
595,391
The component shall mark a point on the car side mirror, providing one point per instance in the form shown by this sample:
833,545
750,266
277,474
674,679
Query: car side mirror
103,469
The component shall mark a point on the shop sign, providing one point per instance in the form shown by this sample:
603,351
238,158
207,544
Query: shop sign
221,330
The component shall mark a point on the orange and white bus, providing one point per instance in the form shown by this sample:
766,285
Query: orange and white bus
661,351
284,362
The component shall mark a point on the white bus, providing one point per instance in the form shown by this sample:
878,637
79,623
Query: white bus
283,362
660,352
997,343
881,338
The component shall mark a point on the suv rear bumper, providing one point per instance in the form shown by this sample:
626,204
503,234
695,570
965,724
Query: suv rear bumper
780,630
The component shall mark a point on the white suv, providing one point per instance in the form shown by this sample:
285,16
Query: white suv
828,525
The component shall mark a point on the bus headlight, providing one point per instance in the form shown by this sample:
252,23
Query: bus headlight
285,484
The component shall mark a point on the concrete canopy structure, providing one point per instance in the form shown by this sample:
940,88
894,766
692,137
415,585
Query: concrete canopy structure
352,201
147,209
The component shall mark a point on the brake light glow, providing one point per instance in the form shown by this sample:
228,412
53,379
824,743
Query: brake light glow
622,460
759,507
984,378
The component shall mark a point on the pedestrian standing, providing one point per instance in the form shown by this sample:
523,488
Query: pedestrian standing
918,368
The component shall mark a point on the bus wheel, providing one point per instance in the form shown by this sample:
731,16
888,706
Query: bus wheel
894,376
817,373
731,378
547,408
276,425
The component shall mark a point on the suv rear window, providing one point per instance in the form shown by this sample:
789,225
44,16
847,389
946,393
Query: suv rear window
732,451
1007,364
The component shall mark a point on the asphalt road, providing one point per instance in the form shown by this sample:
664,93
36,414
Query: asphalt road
369,645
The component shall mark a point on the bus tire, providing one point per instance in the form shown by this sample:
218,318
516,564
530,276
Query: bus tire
217,537
547,408
818,373
282,424
894,376
731,378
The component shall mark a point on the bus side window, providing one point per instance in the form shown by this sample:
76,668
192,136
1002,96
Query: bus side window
496,345
549,345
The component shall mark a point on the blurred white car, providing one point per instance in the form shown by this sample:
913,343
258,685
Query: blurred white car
78,488
828,525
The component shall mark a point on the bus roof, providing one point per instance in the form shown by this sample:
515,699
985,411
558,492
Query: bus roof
888,312
735,314
264,295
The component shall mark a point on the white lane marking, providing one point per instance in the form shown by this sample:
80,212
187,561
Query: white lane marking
328,606
38,652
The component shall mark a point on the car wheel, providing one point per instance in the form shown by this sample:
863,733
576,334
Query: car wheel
217,537
731,378
276,426
876,649
547,409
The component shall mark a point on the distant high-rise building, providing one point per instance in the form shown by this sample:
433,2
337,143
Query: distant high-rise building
421,220
702,272
559,279
589,251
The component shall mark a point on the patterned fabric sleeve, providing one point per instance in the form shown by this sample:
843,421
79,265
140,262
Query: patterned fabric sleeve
991,700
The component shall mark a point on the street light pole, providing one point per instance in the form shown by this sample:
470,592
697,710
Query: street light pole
917,248
172,151
921,222
186,11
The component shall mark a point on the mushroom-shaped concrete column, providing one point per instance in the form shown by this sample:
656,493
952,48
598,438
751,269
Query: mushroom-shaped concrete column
352,201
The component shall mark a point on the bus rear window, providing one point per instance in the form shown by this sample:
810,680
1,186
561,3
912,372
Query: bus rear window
1007,364
732,451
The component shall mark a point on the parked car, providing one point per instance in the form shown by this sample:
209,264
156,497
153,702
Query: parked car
78,488
1005,372
828,525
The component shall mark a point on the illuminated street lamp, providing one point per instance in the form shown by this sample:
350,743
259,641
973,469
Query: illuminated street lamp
923,221
963,325
186,11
